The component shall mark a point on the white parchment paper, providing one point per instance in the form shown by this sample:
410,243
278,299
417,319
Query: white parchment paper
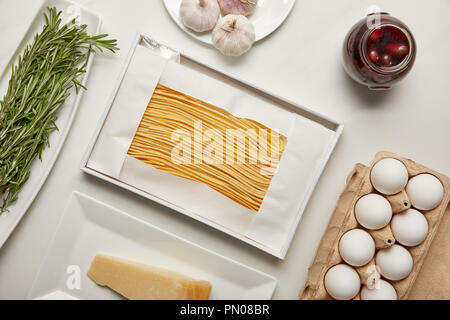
117,133
308,143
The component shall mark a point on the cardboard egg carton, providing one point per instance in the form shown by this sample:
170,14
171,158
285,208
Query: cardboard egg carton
343,220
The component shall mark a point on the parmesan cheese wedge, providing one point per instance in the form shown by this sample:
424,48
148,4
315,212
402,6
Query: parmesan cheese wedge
137,281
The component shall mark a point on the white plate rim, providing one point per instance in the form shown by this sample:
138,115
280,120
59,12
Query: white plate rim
177,21
62,132
79,195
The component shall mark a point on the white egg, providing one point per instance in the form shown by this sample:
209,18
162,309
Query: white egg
373,211
389,176
356,247
395,262
425,191
342,282
382,290
410,227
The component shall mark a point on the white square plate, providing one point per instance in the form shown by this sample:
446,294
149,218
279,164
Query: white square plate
88,226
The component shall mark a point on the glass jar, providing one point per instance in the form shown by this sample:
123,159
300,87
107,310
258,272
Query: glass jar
378,51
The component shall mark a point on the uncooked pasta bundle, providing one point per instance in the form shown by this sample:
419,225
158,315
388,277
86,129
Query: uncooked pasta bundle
192,139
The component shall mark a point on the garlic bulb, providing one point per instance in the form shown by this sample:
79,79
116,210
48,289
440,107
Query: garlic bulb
233,35
244,7
199,15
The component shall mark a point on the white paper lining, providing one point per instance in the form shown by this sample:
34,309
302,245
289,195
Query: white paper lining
307,144
141,77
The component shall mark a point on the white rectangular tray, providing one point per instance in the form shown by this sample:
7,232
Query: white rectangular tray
41,169
190,62
88,226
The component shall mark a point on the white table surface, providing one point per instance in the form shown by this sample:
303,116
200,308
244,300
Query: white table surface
301,61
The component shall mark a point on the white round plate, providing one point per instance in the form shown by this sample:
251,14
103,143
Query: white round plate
269,15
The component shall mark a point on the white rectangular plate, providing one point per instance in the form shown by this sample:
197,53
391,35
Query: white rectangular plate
89,226
280,247
41,169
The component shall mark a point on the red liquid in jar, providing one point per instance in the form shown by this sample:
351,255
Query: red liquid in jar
378,51
387,46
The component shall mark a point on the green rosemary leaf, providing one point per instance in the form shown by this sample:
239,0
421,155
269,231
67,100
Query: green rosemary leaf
43,78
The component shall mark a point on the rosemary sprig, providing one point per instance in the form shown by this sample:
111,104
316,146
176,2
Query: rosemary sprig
48,70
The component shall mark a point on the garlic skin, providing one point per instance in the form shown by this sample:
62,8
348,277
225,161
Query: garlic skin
199,15
233,35
243,7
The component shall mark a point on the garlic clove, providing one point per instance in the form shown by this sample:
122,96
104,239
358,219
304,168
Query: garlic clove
233,35
243,7
199,15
